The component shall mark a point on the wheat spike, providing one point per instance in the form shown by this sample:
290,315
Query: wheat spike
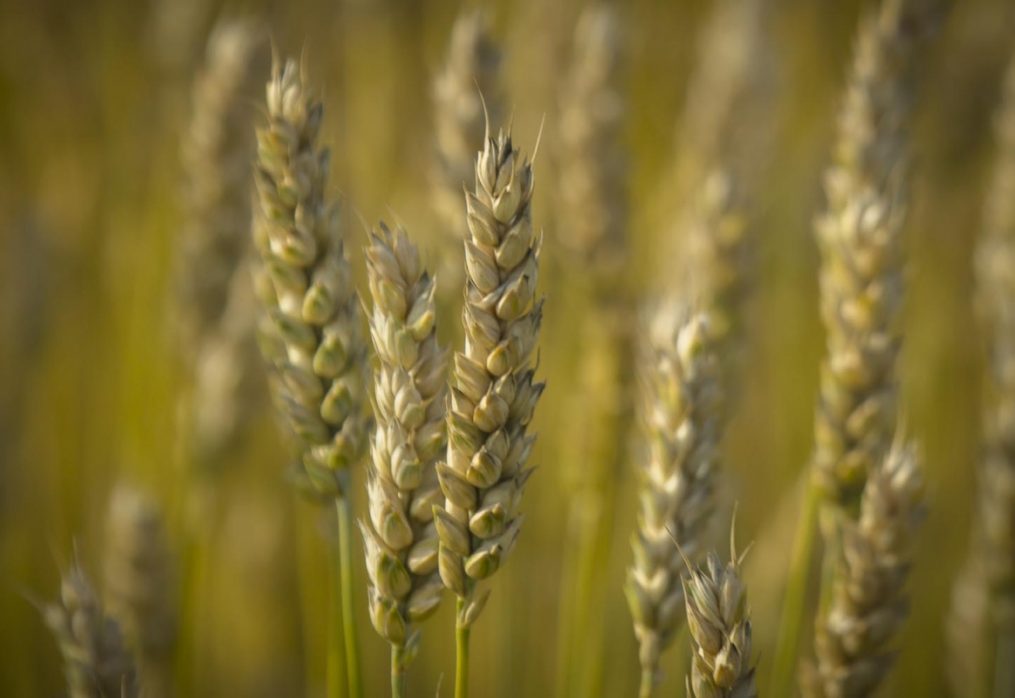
493,395
96,660
409,395
217,308
681,415
466,92
140,584
317,346
720,626
983,608
860,242
869,604
592,158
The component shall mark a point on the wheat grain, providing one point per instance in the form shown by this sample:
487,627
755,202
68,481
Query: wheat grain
720,627
315,315
96,660
409,394
216,306
860,240
140,584
493,395
681,415
466,93
868,604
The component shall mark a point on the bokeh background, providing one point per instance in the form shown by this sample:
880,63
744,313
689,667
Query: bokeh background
93,99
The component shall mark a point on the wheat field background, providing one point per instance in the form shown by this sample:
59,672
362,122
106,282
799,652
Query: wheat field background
95,98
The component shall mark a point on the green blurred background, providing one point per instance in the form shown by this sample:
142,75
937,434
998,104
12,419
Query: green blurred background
93,99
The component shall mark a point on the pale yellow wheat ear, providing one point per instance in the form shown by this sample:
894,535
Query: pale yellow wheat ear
409,395
680,411
217,309
140,585
868,602
719,623
493,391
982,622
862,261
723,147
467,95
593,168
97,663
314,341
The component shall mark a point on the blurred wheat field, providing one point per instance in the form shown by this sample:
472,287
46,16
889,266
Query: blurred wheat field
96,101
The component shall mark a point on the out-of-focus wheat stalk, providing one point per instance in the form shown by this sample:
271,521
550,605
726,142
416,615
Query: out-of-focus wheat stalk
722,148
216,304
859,237
140,585
466,92
315,341
493,394
409,394
592,209
720,627
96,660
868,602
990,571
682,408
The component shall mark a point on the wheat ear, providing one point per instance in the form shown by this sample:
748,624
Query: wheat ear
96,660
409,395
861,280
860,241
217,308
493,394
681,415
139,580
992,550
314,341
467,87
720,627
868,604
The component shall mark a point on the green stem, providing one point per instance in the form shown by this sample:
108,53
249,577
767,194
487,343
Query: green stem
647,684
795,598
336,680
1004,662
397,672
344,513
461,653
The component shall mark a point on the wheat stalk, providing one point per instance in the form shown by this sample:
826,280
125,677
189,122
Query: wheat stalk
96,660
314,341
493,395
868,604
217,309
720,627
593,202
592,157
466,93
860,241
861,280
315,315
140,585
681,415
991,575
409,394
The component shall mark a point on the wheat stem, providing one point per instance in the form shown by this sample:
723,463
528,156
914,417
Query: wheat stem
794,605
335,674
462,631
350,638
647,684
398,668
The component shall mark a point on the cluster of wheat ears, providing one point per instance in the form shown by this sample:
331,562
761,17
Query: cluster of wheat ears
441,437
